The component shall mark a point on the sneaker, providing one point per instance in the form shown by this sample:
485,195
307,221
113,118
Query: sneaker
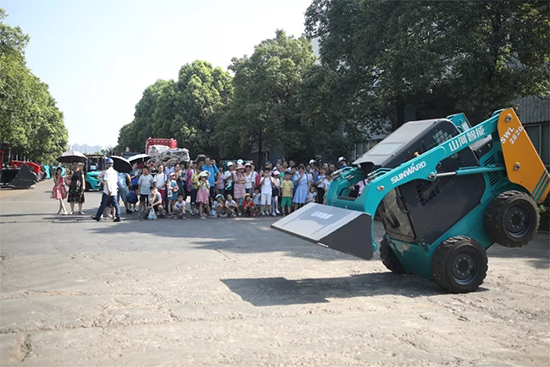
94,218
116,220
128,211
273,214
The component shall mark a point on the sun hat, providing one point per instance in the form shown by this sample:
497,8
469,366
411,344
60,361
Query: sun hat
341,159
229,164
239,166
311,161
247,194
203,174
219,195
276,173
248,164
240,161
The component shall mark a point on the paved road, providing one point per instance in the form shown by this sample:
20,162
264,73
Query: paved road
234,292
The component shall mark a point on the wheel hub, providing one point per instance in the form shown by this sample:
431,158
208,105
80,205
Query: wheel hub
517,220
464,268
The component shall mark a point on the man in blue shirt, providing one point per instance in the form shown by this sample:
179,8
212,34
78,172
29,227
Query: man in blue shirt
212,175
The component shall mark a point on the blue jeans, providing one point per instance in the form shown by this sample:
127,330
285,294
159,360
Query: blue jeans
105,201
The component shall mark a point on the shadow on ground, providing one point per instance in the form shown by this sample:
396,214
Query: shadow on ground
282,291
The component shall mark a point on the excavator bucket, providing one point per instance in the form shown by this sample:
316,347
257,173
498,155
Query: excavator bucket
19,178
340,229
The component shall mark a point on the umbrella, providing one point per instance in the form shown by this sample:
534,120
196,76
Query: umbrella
139,158
71,156
121,164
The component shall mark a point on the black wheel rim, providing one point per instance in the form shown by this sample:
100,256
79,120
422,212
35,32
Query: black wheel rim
518,221
464,268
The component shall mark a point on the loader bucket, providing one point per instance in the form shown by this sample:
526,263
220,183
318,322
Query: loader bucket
340,229
21,178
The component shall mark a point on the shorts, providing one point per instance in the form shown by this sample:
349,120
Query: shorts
144,199
122,191
286,202
265,199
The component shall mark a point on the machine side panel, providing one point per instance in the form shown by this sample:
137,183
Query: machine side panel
523,164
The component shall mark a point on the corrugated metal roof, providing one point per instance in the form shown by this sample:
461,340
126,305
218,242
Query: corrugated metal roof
533,109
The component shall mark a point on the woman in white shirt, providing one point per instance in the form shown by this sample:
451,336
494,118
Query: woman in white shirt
161,179
250,178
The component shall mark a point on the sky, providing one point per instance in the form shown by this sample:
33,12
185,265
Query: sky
98,56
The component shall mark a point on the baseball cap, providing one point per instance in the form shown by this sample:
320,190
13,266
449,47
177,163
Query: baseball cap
341,159
229,164
311,161
109,161
240,161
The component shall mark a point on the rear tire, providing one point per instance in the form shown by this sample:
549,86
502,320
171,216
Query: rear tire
459,265
512,218
389,259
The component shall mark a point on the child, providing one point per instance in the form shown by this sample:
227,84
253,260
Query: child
249,209
195,188
219,207
320,186
172,193
59,192
266,184
231,206
326,186
287,188
275,194
310,198
203,193
144,189
256,196
179,207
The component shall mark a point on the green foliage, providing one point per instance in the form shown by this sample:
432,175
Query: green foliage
31,121
436,56
186,110
279,102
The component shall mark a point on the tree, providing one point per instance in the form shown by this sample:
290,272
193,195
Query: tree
31,121
439,57
265,108
186,109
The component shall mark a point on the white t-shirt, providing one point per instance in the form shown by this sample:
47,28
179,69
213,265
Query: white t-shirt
250,179
228,176
145,181
266,185
111,179
230,203
161,179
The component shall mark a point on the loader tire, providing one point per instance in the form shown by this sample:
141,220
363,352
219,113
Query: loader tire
459,265
389,259
512,218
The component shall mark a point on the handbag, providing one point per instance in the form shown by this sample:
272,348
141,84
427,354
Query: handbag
131,197
152,214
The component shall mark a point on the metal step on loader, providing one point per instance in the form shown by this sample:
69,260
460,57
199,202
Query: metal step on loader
445,192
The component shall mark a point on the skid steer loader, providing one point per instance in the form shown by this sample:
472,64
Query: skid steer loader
445,192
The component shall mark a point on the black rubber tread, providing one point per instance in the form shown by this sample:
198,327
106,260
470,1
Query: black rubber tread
494,222
440,265
389,259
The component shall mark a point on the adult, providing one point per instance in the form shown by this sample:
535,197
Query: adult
123,183
342,162
76,188
250,178
301,184
291,164
169,167
58,191
181,177
212,176
332,168
162,180
239,184
110,191
228,177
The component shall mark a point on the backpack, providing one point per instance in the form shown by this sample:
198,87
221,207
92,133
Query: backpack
258,179
131,197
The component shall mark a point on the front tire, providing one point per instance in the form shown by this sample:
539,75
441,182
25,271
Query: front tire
459,265
389,259
512,219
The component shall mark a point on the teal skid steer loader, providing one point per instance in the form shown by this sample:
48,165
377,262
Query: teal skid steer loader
445,192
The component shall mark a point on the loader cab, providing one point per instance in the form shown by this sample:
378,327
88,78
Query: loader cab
420,211
94,166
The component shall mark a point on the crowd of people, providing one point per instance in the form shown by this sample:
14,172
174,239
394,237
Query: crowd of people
229,189
179,189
